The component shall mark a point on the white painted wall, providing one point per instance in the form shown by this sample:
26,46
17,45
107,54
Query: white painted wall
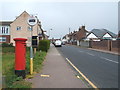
107,35
78,43
91,36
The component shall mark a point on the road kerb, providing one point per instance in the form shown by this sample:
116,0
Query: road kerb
82,74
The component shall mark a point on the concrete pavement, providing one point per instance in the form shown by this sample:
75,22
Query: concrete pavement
56,73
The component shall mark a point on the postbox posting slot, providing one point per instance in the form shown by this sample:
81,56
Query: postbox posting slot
24,44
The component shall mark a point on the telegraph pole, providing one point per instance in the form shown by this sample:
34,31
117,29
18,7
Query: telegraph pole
69,30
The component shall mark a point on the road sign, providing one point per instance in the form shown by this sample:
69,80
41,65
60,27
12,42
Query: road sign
32,20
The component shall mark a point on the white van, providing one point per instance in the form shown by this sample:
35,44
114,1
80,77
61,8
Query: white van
58,43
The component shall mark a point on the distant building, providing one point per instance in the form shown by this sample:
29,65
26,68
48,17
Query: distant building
5,31
76,36
99,34
66,38
81,33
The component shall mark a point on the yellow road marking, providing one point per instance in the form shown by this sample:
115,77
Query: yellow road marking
81,74
78,76
44,75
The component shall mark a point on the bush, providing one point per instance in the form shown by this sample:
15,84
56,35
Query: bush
7,44
44,45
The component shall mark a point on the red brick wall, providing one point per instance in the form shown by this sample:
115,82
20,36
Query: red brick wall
81,34
115,46
108,45
7,38
103,45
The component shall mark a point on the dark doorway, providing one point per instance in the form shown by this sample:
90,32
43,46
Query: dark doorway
34,41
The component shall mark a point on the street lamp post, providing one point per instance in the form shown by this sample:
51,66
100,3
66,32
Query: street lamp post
49,32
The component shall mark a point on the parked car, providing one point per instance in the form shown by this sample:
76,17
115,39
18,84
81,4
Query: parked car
64,42
58,43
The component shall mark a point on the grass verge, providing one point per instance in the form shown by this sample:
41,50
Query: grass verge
10,79
37,61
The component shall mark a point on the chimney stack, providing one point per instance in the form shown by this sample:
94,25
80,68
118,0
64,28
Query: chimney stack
83,27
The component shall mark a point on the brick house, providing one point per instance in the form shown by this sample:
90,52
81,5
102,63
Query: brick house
21,29
72,37
5,31
79,35
76,36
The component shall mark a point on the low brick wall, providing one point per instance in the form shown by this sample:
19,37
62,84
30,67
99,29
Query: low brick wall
115,46
108,45
103,45
74,43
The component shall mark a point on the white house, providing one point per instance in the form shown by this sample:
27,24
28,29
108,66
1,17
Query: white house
98,34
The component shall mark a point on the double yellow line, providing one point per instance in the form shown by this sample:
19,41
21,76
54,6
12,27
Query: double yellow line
82,74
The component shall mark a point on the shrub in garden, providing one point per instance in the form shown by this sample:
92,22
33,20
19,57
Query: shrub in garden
7,44
44,45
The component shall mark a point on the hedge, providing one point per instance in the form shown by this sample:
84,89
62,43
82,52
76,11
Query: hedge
7,45
44,45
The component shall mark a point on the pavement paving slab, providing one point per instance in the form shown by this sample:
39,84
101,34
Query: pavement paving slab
56,73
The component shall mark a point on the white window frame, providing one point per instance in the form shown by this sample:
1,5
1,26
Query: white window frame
4,30
3,39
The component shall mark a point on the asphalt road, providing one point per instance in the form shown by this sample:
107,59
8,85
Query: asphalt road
100,68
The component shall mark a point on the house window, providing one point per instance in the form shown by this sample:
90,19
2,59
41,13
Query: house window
2,39
18,28
4,30
29,28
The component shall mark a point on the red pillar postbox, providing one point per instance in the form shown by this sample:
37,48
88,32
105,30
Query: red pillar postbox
20,56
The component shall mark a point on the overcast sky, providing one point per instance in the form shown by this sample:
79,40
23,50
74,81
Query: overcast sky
60,16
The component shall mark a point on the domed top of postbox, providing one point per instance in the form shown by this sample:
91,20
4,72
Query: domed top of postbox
20,39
